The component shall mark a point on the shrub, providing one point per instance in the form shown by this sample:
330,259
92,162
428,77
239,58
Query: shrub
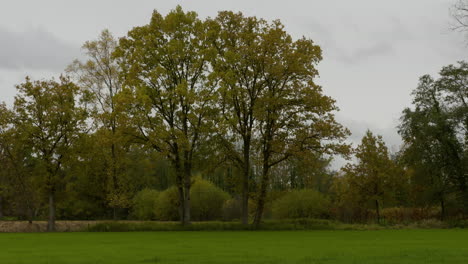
301,204
144,204
232,209
290,224
207,200
167,206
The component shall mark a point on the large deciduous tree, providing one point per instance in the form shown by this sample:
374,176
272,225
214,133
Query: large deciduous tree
49,116
164,67
239,69
295,118
435,132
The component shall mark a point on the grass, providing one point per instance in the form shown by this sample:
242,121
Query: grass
377,247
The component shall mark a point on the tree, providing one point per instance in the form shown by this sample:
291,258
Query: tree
99,79
5,121
295,118
48,113
164,67
239,69
459,12
18,166
435,132
375,177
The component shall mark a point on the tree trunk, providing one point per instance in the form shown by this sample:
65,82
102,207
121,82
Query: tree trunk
377,210
245,185
186,220
30,213
262,195
187,186
181,204
442,209
115,185
51,221
1,206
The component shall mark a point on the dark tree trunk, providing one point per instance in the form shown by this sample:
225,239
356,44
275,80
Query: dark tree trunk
262,194
377,210
114,177
181,204
260,205
1,206
187,186
186,220
30,213
51,220
245,185
442,209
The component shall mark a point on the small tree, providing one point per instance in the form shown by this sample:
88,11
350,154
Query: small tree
375,176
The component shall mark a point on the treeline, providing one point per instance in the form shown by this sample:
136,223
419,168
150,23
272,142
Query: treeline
219,118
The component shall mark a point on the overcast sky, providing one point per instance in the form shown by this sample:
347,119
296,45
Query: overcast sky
374,50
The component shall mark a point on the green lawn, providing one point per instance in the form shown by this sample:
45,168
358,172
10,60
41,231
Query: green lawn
385,246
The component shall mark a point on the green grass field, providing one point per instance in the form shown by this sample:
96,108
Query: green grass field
384,246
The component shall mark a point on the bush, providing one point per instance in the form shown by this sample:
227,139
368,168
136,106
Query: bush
232,210
207,201
301,204
167,206
291,224
402,215
144,204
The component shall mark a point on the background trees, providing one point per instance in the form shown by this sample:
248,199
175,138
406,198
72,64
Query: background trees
234,100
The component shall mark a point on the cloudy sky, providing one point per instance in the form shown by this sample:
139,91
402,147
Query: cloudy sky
374,50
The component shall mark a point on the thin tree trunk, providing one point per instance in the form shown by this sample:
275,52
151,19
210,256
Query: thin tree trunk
187,186
30,213
51,221
1,206
377,210
114,176
442,209
187,206
245,185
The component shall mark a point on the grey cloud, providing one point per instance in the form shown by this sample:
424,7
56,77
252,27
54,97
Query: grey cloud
359,128
34,48
375,49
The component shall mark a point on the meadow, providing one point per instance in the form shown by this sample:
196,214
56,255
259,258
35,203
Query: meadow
332,246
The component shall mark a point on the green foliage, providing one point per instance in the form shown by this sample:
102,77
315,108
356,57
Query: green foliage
144,204
167,205
207,200
435,133
232,209
373,181
301,204
287,224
